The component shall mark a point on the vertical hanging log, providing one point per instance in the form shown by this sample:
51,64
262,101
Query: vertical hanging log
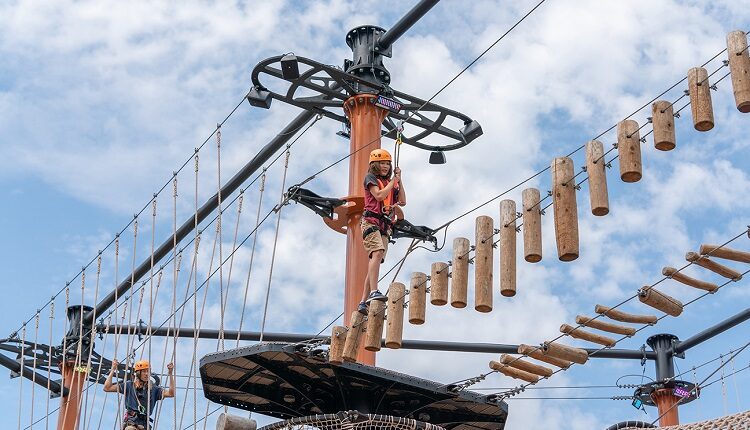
460,275
597,178
739,67
508,248
629,151
394,331
375,318
483,264
417,298
336,350
532,226
662,114
700,99
353,336
439,284
566,209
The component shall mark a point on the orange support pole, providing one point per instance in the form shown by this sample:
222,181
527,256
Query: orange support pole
667,403
70,406
366,120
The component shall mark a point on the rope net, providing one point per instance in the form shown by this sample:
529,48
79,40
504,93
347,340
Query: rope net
351,420
739,421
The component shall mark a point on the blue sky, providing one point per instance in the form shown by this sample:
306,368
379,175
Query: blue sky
101,102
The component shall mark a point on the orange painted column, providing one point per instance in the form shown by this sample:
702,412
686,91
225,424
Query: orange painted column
70,406
666,402
366,120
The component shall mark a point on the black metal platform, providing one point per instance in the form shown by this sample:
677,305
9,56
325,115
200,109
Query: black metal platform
279,380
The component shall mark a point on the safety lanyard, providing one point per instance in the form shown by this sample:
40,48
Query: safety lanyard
387,203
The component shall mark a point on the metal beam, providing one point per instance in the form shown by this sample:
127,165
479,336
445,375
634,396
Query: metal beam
187,227
29,374
425,345
405,23
711,332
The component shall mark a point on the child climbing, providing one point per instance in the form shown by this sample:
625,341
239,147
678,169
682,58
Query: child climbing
382,194
140,395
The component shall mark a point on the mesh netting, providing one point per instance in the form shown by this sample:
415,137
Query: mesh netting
351,420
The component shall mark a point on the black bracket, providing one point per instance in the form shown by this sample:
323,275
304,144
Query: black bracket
322,206
403,228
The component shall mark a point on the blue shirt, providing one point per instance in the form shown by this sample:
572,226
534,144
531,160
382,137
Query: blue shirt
139,397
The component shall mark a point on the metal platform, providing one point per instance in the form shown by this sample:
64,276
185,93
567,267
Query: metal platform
279,380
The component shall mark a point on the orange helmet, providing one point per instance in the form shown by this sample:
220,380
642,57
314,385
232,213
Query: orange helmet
380,155
141,365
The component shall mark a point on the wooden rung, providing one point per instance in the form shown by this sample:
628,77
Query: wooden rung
418,298
739,67
375,320
532,225
353,336
701,106
658,300
526,366
507,248
460,274
725,253
483,262
604,326
565,208
687,280
629,151
662,113
564,352
336,350
579,333
513,372
439,284
394,327
713,266
621,316
536,353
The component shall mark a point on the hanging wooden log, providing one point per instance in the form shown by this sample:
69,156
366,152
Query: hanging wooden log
658,300
564,352
483,264
460,274
394,330
700,99
629,151
357,325
604,326
725,253
336,350
526,366
739,67
513,372
417,298
713,266
532,226
566,208
624,316
375,319
662,114
582,334
597,178
439,284
234,422
508,248
689,281
537,354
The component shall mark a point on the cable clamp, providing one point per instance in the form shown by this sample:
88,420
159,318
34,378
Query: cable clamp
676,114
615,145
649,119
726,62
714,87
577,187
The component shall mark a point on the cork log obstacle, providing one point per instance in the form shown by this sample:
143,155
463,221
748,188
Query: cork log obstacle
713,266
513,372
532,225
565,208
671,272
394,330
336,350
629,151
662,116
739,67
460,275
595,167
578,333
700,99
725,253
564,352
483,264
234,422
536,353
508,248
353,336
526,366
375,319
604,326
417,298
656,299
439,284
621,316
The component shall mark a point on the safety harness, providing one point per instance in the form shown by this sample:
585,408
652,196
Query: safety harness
385,219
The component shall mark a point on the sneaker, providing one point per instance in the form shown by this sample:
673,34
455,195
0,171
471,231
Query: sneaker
362,308
377,295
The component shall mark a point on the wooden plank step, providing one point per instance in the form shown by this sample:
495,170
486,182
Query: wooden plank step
725,253
536,353
513,372
526,366
713,266
621,316
689,281
582,334
604,326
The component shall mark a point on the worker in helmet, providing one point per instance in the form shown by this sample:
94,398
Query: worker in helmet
384,189
140,395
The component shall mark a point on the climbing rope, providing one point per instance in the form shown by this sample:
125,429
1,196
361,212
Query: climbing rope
20,378
252,255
